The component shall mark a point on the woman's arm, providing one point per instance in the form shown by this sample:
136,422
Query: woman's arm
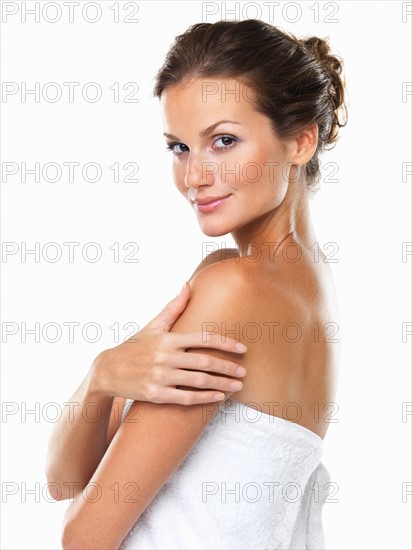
144,454
68,467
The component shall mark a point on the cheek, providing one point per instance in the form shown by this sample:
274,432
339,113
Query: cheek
261,179
258,165
178,178
261,171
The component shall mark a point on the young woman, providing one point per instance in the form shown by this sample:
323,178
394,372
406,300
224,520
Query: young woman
246,109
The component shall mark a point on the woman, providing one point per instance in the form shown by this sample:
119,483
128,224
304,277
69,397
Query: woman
246,109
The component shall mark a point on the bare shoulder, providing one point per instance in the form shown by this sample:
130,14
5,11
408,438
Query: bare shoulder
249,288
227,277
269,309
222,297
243,299
220,255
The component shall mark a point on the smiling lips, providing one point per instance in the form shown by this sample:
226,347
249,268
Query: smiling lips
209,203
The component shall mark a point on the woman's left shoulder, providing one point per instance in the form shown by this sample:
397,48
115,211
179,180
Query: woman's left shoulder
231,275
235,287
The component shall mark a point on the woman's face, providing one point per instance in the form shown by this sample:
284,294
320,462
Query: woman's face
240,160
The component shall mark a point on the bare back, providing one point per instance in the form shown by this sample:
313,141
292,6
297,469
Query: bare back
289,321
290,325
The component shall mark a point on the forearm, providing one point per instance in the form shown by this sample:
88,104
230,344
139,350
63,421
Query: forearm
78,440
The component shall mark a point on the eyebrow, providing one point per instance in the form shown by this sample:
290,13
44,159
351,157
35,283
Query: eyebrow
206,131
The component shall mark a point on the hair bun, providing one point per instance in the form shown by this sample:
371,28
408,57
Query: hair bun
320,49
332,65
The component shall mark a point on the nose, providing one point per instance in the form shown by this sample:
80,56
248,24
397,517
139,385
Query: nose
198,171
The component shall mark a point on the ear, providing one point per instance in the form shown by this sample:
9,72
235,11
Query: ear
306,143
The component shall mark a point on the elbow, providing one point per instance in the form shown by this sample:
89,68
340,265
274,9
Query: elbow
56,490
61,490
53,487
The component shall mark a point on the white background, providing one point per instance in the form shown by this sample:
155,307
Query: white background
366,211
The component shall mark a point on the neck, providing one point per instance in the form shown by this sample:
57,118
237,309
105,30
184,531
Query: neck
290,221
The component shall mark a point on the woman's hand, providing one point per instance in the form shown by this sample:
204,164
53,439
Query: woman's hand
149,365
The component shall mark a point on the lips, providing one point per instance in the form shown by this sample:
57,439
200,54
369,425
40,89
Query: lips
210,204
208,200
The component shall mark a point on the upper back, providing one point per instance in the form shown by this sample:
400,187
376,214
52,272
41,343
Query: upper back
288,318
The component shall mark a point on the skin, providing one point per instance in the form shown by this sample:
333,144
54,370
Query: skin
270,288
274,209
146,367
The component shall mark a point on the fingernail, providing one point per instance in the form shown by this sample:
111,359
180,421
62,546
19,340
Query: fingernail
240,346
236,385
219,397
183,287
241,371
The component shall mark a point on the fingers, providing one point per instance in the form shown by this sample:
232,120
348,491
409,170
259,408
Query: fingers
187,397
207,340
208,363
172,310
202,380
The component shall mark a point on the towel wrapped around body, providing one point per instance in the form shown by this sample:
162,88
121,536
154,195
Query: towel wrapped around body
251,481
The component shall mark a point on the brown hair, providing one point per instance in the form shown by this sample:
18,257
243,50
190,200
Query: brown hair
297,81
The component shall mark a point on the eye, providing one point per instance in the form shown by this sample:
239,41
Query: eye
228,141
171,147
226,145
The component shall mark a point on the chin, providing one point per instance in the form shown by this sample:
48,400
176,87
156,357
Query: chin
214,231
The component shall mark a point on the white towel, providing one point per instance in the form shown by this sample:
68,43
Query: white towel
252,481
